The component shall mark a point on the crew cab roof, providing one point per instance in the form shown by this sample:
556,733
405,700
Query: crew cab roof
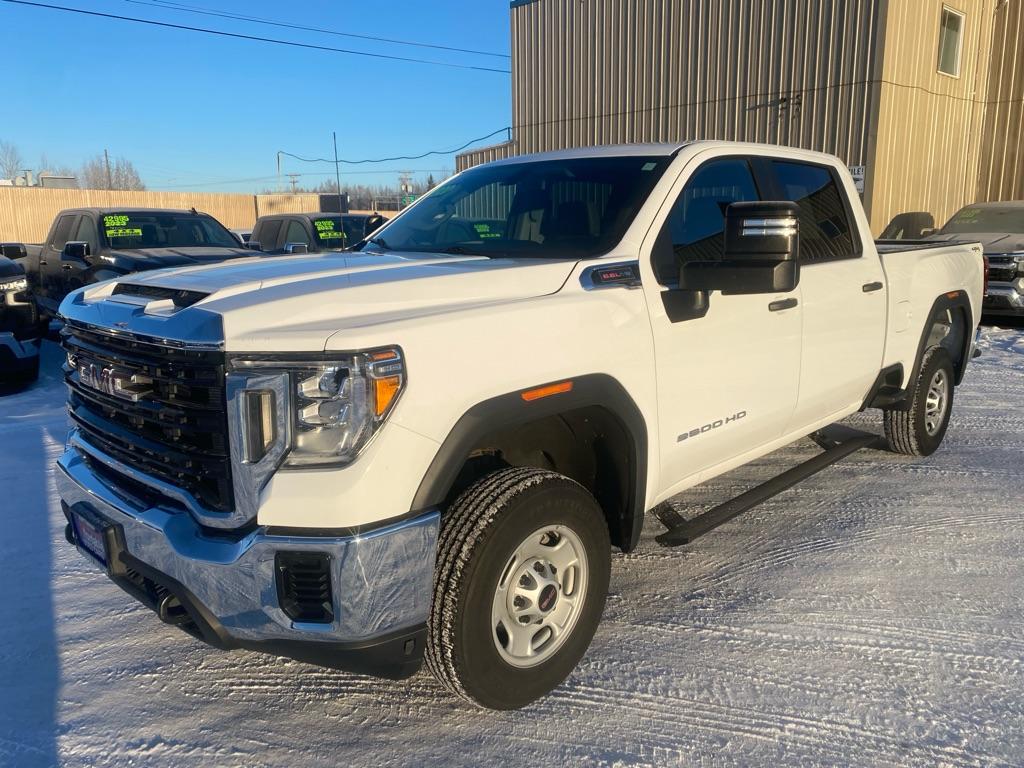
316,215
663,149
132,208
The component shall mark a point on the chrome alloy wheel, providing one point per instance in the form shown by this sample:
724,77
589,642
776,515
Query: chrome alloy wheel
539,596
936,402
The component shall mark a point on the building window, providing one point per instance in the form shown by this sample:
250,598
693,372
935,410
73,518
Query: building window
951,33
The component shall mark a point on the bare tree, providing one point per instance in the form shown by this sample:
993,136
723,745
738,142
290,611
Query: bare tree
118,173
10,160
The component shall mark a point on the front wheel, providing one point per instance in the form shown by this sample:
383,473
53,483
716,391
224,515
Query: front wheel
918,430
522,573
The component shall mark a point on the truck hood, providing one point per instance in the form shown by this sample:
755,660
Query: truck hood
297,303
158,258
992,242
10,269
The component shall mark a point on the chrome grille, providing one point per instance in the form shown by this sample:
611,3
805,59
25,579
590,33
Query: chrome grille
173,426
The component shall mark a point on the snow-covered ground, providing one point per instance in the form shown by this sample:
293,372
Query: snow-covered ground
873,616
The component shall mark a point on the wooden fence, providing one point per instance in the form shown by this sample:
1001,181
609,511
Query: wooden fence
27,212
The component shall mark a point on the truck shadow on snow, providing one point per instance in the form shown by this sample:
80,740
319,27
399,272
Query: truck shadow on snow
31,435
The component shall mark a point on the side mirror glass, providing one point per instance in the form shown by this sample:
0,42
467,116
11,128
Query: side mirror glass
296,248
760,255
75,251
13,250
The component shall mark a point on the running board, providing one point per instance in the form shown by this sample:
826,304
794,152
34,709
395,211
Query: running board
837,443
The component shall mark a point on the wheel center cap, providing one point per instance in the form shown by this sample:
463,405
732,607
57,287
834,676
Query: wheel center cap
548,597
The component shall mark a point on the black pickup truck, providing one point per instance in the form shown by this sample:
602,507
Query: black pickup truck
19,326
312,232
89,245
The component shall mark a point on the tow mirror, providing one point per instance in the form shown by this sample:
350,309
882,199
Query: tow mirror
13,250
254,245
75,251
372,223
296,248
760,255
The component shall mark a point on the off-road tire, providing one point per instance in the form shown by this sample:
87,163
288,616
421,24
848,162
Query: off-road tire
905,430
479,533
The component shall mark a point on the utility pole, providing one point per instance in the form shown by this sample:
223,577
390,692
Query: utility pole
293,179
106,160
337,173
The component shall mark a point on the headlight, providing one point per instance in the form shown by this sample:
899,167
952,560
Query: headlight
328,408
19,284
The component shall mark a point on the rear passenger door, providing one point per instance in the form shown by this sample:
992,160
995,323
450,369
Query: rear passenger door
842,292
268,234
298,233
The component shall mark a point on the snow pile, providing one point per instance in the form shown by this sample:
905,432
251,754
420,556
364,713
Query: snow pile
872,615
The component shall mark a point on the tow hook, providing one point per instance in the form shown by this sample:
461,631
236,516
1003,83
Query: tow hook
171,611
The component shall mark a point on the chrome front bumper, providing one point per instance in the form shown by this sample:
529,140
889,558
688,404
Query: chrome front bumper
381,580
1003,297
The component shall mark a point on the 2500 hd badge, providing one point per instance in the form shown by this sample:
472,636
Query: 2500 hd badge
713,425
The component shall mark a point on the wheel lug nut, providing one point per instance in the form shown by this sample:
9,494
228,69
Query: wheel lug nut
524,619
524,581
518,602
538,568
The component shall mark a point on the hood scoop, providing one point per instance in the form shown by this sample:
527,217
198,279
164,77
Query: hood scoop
154,299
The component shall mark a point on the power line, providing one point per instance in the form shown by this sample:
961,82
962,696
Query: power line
287,25
257,39
274,178
391,159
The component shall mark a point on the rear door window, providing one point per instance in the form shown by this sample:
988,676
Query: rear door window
825,231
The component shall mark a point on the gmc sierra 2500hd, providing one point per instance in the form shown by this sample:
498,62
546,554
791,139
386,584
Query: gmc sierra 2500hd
426,449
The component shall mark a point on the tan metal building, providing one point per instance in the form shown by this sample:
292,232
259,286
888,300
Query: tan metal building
924,96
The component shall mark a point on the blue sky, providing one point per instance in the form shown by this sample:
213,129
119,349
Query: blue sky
193,111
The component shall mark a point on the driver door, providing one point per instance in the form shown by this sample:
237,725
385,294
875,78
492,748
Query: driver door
728,378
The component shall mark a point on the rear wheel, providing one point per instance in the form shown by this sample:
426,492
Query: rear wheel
919,430
522,573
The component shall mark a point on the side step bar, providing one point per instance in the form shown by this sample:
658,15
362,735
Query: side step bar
837,443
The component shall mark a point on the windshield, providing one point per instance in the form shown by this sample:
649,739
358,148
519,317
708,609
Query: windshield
545,209
1009,219
339,231
163,230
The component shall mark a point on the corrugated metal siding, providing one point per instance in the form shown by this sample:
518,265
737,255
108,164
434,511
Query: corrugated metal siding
929,124
27,212
856,78
1002,164
792,72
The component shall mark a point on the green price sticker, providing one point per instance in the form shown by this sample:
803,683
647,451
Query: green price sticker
331,235
123,231
324,225
116,220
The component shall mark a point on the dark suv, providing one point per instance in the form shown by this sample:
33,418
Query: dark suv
312,232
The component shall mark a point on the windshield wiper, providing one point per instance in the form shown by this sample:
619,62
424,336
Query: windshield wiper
379,242
460,250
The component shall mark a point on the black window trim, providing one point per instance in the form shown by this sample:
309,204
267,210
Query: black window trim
776,189
75,217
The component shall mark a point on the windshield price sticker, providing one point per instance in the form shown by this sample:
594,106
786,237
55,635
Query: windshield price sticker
123,231
968,214
483,231
115,220
325,230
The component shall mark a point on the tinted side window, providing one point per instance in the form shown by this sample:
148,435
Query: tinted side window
267,233
824,226
296,233
63,232
697,220
87,234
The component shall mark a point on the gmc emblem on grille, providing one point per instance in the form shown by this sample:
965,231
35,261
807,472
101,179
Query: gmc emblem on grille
113,381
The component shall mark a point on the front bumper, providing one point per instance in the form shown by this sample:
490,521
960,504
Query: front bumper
17,356
227,586
1002,299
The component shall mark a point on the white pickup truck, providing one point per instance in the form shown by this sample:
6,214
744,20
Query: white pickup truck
426,449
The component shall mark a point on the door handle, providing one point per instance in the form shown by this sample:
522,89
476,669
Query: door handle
781,304
870,287
67,266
